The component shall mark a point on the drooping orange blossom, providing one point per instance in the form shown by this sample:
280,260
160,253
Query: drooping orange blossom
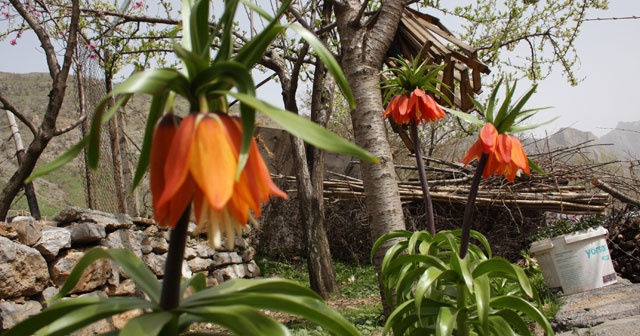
197,159
506,155
417,107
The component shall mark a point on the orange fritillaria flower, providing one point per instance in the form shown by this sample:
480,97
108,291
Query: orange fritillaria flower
506,155
198,160
417,107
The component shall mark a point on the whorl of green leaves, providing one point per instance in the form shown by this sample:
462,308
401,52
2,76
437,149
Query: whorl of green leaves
437,293
409,75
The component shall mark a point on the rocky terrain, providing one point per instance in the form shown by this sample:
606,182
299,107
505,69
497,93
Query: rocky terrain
37,257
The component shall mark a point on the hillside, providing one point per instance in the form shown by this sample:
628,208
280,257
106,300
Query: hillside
65,187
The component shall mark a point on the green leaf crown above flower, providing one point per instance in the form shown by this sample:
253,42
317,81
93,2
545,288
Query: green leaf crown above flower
411,74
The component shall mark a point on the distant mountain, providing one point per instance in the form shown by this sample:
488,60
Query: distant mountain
621,143
625,139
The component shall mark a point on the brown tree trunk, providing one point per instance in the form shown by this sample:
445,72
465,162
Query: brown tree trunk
309,179
364,46
47,129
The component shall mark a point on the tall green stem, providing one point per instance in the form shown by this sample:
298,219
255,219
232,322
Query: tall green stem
468,210
428,206
170,296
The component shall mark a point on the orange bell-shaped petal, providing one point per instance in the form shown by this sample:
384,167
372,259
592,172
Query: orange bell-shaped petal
214,161
167,211
488,137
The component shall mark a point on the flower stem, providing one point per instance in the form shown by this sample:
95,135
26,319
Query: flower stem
428,206
468,210
170,296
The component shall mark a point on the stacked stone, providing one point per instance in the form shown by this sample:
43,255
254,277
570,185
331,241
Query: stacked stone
37,257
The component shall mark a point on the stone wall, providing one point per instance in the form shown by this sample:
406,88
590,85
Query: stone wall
37,257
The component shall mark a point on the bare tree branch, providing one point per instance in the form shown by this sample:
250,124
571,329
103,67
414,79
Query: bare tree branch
70,127
6,105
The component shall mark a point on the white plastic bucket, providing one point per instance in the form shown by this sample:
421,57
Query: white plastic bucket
577,262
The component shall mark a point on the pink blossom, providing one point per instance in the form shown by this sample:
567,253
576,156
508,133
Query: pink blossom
137,5
5,14
13,42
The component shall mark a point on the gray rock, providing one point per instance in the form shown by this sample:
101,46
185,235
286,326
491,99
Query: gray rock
158,245
48,293
110,222
86,232
29,231
597,306
126,287
200,264
25,273
94,276
12,313
251,270
248,254
225,274
71,214
7,250
155,263
8,231
239,270
127,239
52,241
97,328
222,259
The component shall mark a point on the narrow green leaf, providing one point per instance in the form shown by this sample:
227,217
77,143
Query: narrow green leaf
66,324
329,61
500,266
520,305
148,324
500,327
100,117
393,235
240,319
199,24
522,128
482,287
36,322
198,282
279,299
446,321
253,50
60,161
305,129
461,266
515,320
231,287
192,62
226,22
465,116
428,279
492,102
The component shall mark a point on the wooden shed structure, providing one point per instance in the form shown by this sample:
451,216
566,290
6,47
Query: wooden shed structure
423,35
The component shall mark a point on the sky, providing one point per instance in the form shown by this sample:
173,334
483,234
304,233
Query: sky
609,52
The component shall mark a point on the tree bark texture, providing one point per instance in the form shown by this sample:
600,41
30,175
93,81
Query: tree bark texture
364,45
321,272
47,128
